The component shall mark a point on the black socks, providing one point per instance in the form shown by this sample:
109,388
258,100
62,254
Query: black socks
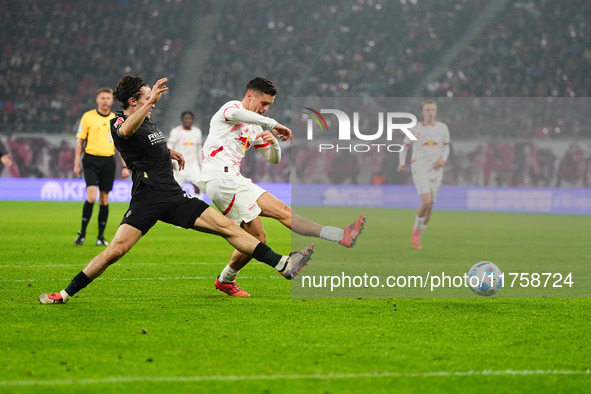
79,282
102,219
265,254
86,214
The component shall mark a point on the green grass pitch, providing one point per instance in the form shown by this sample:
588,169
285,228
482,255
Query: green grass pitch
155,323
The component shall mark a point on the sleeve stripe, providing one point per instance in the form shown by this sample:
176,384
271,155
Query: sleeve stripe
218,150
261,145
224,114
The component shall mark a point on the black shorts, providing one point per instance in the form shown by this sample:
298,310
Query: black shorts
175,208
99,171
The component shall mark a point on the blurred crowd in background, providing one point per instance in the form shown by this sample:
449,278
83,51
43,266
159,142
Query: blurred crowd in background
533,48
56,54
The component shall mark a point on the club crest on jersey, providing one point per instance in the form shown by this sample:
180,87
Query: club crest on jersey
244,142
430,143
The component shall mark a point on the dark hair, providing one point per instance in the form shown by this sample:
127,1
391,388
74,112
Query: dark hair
128,87
261,85
187,113
104,90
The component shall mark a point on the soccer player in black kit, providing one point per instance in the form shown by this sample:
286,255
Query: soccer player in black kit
156,195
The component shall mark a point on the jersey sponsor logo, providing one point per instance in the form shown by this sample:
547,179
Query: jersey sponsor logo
119,121
156,137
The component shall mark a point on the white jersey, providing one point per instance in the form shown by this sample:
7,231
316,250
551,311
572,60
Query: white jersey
432,144
188,143
227,143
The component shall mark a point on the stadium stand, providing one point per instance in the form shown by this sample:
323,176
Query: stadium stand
55,55
370,48
535,48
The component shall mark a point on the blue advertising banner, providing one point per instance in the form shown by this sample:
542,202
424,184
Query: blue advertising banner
469,198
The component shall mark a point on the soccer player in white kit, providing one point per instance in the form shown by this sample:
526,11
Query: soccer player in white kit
429,154
187,139
236,127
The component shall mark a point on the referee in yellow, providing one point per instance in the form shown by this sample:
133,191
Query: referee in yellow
94,138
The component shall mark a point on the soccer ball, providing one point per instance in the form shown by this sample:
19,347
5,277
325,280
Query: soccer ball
485,278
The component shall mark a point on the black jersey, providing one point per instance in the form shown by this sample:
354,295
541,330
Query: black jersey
146,154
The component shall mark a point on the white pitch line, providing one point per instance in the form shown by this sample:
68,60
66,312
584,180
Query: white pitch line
125,279
168,263
174,379
120,265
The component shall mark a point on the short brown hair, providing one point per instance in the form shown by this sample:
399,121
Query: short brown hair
128,87
104,90
428,102
261,85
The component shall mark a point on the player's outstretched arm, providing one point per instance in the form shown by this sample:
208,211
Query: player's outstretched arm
282,132
246,116
133,122
268,146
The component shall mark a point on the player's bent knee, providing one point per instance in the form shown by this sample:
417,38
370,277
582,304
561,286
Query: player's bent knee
115,251
114,255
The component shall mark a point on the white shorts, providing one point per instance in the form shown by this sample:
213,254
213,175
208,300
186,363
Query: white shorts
235,197
428,182
188,174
